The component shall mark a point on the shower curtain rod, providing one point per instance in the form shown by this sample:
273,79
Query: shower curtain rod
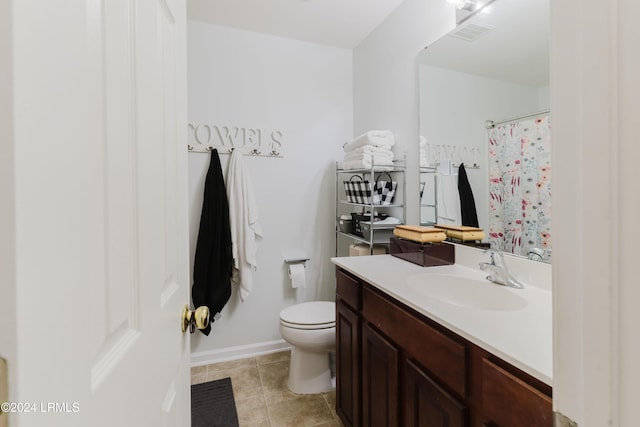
490,124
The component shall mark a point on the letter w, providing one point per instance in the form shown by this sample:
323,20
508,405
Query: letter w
226,135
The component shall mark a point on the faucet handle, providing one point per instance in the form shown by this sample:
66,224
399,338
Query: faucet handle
492,252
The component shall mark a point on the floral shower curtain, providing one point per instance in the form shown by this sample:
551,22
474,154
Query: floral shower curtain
520,186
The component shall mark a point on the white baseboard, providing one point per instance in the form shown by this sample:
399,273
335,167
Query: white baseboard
239,352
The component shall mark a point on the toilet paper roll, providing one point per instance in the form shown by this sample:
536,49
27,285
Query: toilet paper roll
297,275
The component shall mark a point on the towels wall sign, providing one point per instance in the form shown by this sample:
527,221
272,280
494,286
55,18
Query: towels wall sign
204,137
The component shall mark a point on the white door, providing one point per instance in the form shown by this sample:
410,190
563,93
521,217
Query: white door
106,341
140,357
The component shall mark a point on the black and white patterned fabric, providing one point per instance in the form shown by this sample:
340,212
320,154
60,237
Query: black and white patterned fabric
384,191
358,191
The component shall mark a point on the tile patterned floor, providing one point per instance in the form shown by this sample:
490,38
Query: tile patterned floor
262,396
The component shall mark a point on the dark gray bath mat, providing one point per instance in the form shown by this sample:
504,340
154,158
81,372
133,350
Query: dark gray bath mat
213,405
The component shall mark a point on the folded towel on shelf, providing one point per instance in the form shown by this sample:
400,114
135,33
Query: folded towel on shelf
424,161
366,164
390,220
388,156
369,149
377,138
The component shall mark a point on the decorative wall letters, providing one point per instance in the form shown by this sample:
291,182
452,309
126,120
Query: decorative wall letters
264,142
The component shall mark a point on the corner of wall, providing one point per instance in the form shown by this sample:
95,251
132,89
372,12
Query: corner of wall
8,336
385,79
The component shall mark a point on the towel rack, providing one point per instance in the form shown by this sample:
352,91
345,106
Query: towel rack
458,154
199,148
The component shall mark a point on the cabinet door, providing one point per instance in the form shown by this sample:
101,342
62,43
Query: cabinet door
379,380
347,365
425,404
510,401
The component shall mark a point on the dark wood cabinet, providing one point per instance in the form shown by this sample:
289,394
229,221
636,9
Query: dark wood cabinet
379,380
426,404
348,385
396,367
348,365
508,400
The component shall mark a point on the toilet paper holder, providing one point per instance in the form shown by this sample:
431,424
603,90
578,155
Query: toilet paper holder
296,260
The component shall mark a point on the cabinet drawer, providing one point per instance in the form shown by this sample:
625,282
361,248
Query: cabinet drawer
442,355
348,289
510,401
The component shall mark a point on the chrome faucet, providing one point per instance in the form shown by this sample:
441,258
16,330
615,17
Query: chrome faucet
539,254
499,271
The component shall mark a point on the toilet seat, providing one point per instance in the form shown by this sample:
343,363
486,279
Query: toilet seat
310,315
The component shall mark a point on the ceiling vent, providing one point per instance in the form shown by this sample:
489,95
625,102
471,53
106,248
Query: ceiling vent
471,32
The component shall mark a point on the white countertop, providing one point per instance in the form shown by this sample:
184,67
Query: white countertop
521,336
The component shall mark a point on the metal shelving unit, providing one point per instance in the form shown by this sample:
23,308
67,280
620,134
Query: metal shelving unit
430,189
397,209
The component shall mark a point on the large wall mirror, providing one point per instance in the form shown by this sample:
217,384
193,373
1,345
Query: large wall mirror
484,102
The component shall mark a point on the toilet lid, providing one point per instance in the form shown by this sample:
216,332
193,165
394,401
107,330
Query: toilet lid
317,313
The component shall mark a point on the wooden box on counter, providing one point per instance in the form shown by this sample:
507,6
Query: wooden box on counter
424,254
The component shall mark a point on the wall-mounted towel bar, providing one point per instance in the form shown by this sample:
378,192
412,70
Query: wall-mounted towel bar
439,153
228,150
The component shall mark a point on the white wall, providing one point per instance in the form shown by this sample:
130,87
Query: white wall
251,80
8,334
595,98
453,109
386,79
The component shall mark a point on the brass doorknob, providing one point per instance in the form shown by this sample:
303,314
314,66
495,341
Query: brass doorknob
195,319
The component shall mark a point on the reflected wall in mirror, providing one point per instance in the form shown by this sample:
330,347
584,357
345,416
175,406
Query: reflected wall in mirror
484,102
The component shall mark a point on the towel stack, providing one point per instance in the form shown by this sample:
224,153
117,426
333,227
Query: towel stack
369,149
424,161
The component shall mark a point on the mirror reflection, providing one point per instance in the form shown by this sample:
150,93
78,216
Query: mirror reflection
484,103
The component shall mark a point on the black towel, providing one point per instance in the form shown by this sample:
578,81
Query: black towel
467,203
213,264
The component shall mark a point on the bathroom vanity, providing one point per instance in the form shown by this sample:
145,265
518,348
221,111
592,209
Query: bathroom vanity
410,352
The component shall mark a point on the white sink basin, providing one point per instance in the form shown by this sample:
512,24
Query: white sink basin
466,292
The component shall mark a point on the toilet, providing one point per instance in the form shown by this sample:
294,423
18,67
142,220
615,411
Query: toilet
310,328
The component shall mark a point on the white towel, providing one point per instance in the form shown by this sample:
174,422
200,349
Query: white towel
369,149
377,138
366,164
365,155
448,200
424,161
382,156
246,231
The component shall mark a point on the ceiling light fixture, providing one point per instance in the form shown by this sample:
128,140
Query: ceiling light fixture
469,5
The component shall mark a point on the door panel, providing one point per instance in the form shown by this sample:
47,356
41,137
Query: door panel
426,404
137,362
347,365
380,371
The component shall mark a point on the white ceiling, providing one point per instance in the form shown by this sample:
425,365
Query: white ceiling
517,50
339,23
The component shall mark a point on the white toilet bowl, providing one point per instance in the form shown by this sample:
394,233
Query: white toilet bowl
310,328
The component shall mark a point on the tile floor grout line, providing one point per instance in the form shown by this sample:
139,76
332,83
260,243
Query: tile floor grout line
264,397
